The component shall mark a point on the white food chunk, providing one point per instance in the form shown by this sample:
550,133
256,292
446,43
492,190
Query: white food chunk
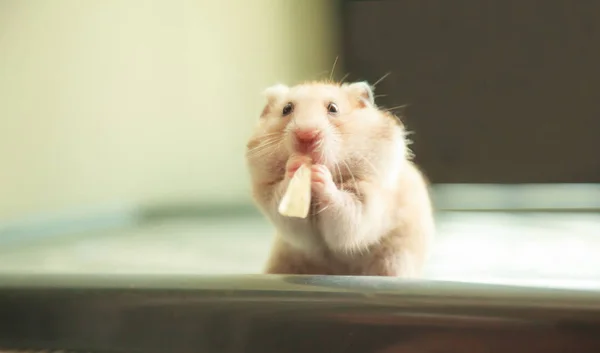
296,200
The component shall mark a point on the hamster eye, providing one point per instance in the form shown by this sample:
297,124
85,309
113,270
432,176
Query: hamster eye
332,108
287,109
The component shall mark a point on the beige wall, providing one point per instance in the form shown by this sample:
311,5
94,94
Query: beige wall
104,101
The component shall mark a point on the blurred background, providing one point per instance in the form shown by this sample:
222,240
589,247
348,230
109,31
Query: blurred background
123,126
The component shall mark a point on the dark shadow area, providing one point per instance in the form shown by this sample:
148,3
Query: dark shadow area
497,91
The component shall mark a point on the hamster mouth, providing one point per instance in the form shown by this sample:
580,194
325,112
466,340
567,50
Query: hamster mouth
316,155
313,149
306,147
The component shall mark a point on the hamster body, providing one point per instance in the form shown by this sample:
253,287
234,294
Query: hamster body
370,208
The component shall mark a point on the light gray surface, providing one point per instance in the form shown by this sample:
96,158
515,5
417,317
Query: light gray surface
524,248
516,196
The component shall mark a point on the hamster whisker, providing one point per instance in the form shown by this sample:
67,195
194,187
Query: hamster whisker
344,78
273,150
403,106
341,179
272,137
269,137
320,210
375,170
293,122
333,68
264,147
322,154
381,79
271,134
353,178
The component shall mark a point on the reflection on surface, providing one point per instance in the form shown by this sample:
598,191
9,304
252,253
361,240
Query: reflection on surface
534,248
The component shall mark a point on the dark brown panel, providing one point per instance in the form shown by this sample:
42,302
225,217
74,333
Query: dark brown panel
498,91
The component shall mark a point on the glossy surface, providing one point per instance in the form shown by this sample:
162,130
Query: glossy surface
291,314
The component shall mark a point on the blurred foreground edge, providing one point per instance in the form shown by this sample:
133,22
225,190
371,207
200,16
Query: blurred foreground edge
281,314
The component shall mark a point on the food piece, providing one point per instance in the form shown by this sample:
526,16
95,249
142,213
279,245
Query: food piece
296,200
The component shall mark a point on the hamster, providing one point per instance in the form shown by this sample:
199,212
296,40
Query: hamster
370,214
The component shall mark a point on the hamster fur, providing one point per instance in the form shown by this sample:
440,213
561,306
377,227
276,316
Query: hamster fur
371,213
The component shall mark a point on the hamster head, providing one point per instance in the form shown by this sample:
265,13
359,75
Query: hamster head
337,125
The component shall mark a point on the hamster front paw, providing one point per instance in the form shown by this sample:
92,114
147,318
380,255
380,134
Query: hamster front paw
322,184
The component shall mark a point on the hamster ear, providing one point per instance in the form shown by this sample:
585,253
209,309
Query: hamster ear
362,90
273,94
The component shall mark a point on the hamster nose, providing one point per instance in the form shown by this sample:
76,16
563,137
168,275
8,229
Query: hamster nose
306,139
307,135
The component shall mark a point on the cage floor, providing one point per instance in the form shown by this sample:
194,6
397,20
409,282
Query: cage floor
524,248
